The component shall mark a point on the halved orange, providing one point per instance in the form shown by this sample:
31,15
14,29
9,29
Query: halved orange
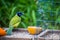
34,30
2,32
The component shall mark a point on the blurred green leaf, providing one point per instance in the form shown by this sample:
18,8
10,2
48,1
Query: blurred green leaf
24,25
34,17
58,19
12,12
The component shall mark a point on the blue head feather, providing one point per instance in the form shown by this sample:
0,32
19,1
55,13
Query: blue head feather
19,13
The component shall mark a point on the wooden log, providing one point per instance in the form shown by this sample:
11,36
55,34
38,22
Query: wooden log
18,34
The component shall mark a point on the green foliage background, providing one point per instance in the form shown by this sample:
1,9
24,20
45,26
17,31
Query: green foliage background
8,9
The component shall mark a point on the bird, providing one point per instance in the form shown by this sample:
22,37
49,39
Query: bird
14,22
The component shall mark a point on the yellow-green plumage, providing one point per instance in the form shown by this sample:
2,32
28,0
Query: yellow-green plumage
15,21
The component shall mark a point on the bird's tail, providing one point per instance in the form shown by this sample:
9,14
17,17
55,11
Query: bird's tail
9,31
